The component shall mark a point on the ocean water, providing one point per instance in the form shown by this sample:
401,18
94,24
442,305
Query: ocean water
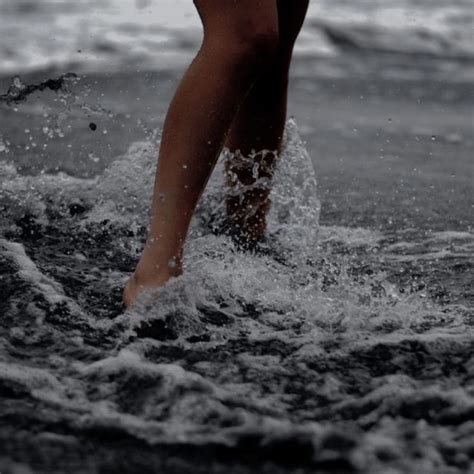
316,351
332,348
151,34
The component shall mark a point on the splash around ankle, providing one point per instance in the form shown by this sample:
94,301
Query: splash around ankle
142,280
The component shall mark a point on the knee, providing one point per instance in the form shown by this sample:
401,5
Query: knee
260,45
250,48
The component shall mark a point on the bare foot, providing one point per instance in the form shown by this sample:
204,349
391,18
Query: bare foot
141,281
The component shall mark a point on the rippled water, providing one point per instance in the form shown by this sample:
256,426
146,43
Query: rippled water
321,349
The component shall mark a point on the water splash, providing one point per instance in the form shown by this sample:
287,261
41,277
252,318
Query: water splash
4,145
62,115
18,91
323,357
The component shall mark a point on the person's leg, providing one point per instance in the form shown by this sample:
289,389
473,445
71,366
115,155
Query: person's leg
240,36
259,125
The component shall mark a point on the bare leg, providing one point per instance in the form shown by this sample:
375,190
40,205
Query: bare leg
240,36
259,125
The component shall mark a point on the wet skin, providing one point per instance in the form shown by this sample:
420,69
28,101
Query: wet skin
234,94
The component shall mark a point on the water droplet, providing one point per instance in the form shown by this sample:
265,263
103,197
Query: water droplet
4,146
94,157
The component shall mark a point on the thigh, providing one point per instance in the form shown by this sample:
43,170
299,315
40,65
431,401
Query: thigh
238,17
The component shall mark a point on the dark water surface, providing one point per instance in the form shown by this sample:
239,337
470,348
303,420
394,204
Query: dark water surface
343,344
332,348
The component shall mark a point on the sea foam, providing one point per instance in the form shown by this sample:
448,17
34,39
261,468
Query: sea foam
305,351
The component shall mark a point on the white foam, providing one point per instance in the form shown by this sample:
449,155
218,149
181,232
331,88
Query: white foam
350,236
30,196
30,378
23,275
434,246
256,346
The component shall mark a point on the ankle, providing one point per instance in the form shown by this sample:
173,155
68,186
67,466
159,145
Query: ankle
148,269
143,279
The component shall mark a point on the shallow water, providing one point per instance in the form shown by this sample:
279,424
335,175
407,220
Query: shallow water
344,349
